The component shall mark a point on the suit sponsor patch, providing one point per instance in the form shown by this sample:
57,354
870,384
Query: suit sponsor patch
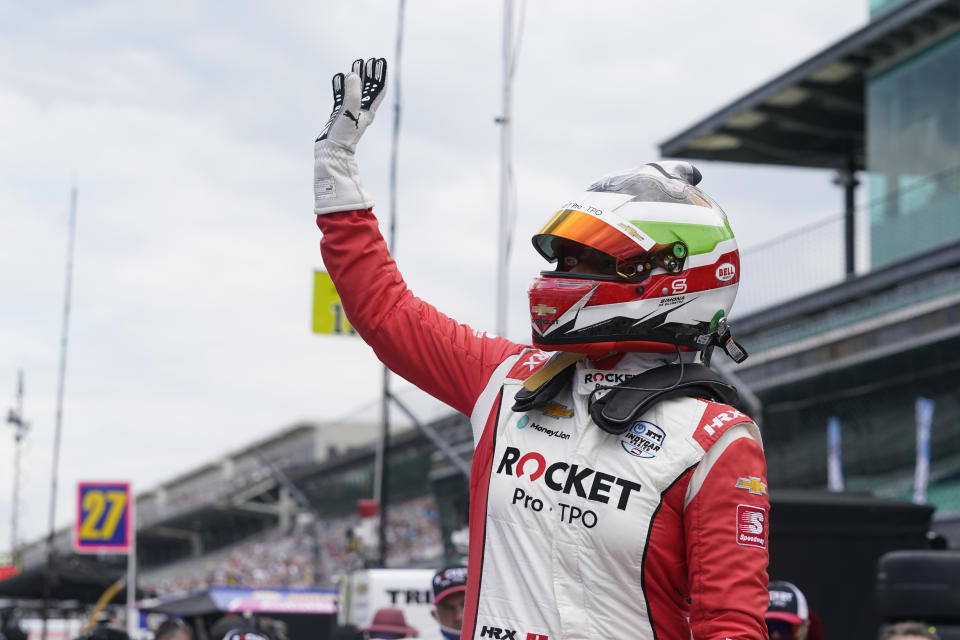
752,484
751,526
644,440
556,410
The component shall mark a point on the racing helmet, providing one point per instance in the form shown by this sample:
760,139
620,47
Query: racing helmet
644,261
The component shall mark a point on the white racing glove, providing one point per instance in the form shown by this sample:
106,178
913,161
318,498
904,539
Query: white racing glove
336,178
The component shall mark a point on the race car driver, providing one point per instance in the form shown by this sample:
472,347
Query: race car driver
615,490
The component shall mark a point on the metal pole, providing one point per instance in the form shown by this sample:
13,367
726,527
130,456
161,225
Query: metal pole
20,426
61,378
847,178
133,616
436,438
381,480
503,246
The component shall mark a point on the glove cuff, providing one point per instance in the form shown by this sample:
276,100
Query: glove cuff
336,180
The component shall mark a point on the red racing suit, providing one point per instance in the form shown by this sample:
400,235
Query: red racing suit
575,533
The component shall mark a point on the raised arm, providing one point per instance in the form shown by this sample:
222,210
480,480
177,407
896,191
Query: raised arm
447,359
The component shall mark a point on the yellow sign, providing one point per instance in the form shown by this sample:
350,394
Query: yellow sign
328,316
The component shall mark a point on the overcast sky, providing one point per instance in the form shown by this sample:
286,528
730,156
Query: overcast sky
188,128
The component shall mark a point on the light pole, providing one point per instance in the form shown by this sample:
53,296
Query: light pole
20,427
61,381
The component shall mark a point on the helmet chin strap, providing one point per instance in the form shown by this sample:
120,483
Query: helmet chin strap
723,339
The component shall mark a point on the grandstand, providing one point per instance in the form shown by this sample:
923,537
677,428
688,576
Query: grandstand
232,522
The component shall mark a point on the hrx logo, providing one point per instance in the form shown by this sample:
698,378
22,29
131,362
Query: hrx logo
508,634
720,419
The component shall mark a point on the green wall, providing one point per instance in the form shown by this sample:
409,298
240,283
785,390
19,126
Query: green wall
913,153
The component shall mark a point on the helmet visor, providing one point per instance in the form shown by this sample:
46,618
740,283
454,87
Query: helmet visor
615,238
573,257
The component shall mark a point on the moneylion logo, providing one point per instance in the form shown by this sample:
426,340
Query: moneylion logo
562,477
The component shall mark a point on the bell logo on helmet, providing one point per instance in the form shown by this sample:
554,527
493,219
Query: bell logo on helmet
726,272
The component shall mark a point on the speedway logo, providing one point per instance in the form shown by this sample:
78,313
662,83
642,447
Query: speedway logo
644,440
590,484
751,526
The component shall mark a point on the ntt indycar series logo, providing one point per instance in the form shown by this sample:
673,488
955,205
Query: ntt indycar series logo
587,483
644,440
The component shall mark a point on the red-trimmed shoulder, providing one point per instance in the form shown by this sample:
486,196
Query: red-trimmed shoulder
716,419
529,362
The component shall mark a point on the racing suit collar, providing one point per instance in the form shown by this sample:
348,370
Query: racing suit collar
589,375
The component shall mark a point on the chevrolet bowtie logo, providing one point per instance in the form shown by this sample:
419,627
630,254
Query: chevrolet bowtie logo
556,410
752,484
543,310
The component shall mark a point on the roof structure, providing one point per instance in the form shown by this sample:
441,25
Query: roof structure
813,114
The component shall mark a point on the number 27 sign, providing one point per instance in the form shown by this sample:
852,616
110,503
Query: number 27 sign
104,518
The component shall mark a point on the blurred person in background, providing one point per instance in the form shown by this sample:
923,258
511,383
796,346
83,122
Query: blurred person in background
615,492
788,616
237,627
249,631
449,587
103,628
10,626
389,623
173,629
225,624
347,632
910,630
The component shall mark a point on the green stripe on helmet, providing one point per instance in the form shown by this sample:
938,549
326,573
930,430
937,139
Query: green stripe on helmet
699,238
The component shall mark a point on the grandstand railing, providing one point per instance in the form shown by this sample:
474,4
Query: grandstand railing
812,257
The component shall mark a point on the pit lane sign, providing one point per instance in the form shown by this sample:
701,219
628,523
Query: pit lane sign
104,518
328,316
